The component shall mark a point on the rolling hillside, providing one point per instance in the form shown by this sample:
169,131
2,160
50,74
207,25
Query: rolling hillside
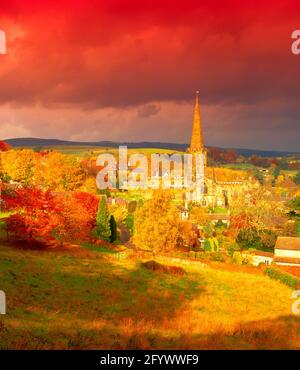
37,142
80,299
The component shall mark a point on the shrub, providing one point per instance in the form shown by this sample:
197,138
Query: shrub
192,254
248,260
249,238
218,257
283,277
156,266
233,248
199,254
129,222
268,240
220,224
132,206
207,245
237,258
214,244
296,179
294,204
298,228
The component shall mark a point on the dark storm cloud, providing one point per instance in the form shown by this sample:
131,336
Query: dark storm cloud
136,55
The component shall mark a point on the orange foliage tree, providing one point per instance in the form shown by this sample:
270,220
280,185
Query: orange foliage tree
4,147
89,203
36,214
19,164
43,216
198,216
156,223
257,210
188,234
58,172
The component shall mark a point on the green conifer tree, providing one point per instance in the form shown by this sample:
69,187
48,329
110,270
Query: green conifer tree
103,230
113,229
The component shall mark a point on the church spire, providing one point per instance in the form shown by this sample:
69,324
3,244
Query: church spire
197,140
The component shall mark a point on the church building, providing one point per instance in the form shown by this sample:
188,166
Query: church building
214,193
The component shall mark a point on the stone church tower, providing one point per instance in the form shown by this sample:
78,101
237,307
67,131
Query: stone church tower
211,191
197,146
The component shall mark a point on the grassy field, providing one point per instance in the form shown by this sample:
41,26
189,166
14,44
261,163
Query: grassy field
239,166
84,299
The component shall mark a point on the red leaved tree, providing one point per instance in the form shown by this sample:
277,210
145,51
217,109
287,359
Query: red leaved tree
77,217
4,147
36,214
90,204
43,216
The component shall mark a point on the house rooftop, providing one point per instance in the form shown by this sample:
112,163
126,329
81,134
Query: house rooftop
182,208
264,254
288,243
259,253
287,260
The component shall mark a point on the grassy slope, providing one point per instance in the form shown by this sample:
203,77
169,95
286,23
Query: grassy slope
91,300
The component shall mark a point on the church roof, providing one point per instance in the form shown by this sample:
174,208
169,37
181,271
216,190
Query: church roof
197,138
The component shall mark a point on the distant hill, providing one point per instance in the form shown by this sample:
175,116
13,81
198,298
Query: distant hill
37,142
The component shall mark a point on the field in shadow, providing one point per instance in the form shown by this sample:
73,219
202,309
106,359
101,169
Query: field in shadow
92,300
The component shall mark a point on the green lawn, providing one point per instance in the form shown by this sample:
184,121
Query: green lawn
87,299
240,166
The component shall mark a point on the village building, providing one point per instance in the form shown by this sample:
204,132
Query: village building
287,251
256,258
216,193
183,212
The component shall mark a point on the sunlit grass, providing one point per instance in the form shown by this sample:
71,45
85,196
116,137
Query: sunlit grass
61,300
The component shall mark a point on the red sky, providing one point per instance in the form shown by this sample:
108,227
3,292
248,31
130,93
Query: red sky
127,70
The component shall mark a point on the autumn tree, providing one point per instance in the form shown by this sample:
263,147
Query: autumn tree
276,172
4,147
215,154
230,156
156,224
258,239
296,178
89,185
103,230
75,222
258,176
188,234
268,240
249,238
89,203
198,216
256,210
59,172
43,216
119,212
294,206
19,164
36,214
